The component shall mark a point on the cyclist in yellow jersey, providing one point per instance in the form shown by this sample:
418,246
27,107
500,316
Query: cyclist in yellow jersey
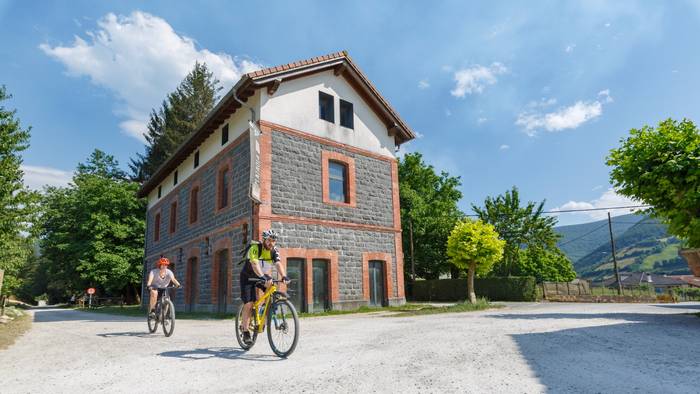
259,261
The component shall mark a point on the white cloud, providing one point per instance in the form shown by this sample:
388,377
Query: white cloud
140,58
598,187
419,135
482,120
474,79
448,112
35,177
504,147
570,48
564,118
423,84
607,200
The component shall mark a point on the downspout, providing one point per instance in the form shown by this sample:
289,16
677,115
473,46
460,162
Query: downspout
252,203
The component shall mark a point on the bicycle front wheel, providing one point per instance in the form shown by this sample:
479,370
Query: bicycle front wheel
282,327
168,318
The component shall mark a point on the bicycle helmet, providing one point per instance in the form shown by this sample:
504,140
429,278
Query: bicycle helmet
269,234
163,261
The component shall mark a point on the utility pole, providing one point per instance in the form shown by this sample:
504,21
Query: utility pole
413,260
612,244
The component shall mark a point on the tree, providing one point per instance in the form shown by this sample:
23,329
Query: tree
93,231
428,212
17,203
521,227
179,116
474,245
661,167
546,265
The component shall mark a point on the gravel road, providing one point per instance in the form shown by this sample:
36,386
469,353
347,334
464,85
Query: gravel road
523,348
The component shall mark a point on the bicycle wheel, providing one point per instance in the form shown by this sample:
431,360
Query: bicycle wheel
152,322
239,330
282,327
168,318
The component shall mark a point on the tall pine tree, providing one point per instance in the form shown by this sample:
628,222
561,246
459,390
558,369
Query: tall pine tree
178,117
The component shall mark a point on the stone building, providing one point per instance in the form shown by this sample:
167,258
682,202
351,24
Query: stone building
322,173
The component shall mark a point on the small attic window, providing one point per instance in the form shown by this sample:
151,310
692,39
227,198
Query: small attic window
196,159
325,107
224,134
346,114
175,178
160,189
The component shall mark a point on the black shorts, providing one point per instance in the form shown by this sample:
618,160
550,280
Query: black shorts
248,293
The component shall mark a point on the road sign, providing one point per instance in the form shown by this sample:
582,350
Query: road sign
91,290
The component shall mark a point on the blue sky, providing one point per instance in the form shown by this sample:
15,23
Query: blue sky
532,94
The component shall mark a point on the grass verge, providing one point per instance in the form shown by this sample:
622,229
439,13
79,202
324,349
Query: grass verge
11,330
414,309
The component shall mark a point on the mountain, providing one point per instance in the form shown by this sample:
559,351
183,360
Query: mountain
641,244
579,240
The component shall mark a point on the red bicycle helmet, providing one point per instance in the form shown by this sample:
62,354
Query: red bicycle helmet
163,261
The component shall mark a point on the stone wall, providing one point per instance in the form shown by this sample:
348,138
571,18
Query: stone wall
297,183
350,245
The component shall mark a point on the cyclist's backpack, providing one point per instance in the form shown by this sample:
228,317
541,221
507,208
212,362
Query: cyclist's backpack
244,254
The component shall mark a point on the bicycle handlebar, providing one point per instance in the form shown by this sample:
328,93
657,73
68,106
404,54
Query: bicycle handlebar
256,280
166,287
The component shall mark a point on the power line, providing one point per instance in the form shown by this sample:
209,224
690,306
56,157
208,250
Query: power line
586,234
586,209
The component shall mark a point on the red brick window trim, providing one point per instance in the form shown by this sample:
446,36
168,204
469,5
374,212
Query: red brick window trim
194,202
328,157
156,227
224,182
376,256
309,255
173,217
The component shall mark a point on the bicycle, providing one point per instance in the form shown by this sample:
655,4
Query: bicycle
165,313
280,316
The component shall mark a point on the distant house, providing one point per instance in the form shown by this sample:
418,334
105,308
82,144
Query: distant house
660,283
324,171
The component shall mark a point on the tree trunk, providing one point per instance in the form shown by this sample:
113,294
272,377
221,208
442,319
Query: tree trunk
470,282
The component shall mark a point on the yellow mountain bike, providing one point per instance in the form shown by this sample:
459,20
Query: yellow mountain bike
276,312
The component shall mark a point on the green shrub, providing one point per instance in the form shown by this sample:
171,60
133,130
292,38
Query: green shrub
687,293
513,288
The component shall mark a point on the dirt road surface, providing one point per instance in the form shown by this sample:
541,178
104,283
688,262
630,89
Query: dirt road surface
523,348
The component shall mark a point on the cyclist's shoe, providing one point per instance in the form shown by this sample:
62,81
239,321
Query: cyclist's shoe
247,339
152,314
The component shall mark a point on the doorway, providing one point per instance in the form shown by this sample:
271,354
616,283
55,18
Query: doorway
295,289
320,285
192,283
222,285
376,283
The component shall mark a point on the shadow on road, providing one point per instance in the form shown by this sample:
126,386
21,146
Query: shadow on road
60,315
627,352
138,334
218,352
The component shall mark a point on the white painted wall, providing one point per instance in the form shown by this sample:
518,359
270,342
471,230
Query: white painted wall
238,123
295,105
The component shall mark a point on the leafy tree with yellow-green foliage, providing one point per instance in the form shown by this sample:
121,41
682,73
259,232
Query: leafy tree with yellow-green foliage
476,246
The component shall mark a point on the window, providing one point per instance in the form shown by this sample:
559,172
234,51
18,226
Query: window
194,204
223,188
337,181
196,159
159,191
156,230
346,114
175,178
173,217
224,134
325,107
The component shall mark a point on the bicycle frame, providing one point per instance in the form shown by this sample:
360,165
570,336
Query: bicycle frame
260,317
